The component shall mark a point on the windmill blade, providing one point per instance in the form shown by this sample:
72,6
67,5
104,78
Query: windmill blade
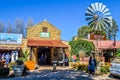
93,26
106,21
109,17
106,10
107,13
102,25
90,22
87,14
96,6
89,11
93,6
88,18
103,7
100,6
96,26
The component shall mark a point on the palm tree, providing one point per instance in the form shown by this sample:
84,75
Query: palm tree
111,32
115,29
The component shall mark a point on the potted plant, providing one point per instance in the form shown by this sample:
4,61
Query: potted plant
18,68
30,65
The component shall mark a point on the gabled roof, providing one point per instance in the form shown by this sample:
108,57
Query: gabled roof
45,21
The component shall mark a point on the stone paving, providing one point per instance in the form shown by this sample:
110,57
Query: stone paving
62,73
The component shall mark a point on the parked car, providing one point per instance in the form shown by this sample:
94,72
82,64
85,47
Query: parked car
115,67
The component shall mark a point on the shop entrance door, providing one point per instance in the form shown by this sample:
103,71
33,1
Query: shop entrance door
44,55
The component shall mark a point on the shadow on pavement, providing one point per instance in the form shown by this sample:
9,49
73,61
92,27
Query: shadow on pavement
50,75
114,77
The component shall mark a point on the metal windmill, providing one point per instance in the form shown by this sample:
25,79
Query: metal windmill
98,16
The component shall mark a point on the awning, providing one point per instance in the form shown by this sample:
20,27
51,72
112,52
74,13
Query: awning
9,48
105,44
46,43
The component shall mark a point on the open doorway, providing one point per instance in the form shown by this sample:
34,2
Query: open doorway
44,55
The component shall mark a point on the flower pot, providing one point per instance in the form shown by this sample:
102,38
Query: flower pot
30,65
18,70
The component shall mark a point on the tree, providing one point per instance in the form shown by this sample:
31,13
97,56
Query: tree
9,28
84,31
84,45
19,26
30,22
117,52
111,33
1,27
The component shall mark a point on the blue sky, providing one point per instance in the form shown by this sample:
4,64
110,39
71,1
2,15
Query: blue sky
66,15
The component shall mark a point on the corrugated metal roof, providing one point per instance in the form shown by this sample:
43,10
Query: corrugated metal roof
47,43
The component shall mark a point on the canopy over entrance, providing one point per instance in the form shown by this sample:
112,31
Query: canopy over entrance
9,48
106,44
46,43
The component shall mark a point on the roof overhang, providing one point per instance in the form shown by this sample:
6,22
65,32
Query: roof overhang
9,48
46,43
106,44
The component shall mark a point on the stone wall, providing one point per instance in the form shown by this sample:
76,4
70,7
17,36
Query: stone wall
33,32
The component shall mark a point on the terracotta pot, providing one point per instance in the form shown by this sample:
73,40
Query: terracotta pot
30,65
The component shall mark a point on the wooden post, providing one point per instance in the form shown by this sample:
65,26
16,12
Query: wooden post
31,53
52,54
35,54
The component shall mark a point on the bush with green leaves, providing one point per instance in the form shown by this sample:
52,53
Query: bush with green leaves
83,67
25,56
84,45
118,53
104,69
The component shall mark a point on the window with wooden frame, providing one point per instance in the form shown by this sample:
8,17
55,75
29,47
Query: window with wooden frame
44,29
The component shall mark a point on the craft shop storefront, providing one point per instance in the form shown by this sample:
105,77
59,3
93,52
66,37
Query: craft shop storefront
44,40
10,43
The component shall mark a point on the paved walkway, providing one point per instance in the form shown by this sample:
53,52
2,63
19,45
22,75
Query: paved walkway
62,73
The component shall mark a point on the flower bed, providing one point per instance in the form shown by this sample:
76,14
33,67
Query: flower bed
83,66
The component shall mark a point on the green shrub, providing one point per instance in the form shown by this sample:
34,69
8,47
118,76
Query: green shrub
104,69
82,67
19,62
10,65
